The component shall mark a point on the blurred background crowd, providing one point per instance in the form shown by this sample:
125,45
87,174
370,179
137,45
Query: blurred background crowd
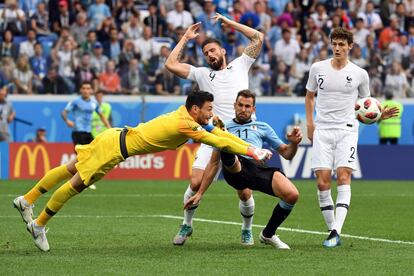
50,47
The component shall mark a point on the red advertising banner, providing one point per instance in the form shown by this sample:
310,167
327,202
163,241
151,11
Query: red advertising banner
33,160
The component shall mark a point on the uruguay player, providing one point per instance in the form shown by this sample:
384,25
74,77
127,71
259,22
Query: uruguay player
242,172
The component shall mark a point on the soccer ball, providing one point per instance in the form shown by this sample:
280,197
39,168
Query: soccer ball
368,110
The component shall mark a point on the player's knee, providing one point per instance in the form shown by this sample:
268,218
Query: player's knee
292,197
245,194
344,178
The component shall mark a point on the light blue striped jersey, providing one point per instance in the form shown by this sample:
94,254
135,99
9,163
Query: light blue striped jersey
82,113
255,133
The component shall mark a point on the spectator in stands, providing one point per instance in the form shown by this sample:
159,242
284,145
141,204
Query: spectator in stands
7,46
360,33
387,8
389,34
179,17
98,59
145,45
27,47
256,79
404,21
7,115
133,28
317,42
29,6
13,18
65,59
166,83
39,21
299,73
97,13
399,48
287,16
80,28
207,22
7,67
103,30
63,37
89,43
22,76
237,11
128,53
132,79
396,81
287,48
113,47
39,65
40,135
265,19
85,72
62,18
356,56
54,84
155,21
109,81
282,84
157,62
371,18
375,83
320,17
125,11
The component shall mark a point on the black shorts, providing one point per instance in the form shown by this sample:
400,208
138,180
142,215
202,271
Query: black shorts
81,137
252,176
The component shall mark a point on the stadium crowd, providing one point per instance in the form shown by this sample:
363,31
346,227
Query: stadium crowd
51,47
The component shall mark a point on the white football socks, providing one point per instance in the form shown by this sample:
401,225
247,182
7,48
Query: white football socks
247,212
342,204
189,213
327,208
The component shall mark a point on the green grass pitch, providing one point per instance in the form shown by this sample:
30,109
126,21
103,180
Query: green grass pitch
127,227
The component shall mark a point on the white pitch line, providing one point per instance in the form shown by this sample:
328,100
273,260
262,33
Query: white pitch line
230,223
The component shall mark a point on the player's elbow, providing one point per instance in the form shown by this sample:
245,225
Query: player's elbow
261,36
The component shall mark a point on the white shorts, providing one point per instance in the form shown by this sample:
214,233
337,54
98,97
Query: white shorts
202,158
334,148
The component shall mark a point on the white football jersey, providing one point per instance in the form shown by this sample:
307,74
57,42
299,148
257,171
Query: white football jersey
224,84
337,92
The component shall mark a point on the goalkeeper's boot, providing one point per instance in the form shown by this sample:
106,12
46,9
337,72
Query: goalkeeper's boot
273,241
247,237
333,240
25,209
182,235
39,235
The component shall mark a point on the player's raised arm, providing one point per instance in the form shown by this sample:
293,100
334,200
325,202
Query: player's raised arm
173,63
256,37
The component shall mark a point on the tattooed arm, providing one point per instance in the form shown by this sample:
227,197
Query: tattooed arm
256,37
173,63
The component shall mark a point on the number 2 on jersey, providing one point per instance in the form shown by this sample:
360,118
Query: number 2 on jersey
320,82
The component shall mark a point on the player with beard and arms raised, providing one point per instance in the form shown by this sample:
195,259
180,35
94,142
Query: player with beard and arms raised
334,133
224,81
242,172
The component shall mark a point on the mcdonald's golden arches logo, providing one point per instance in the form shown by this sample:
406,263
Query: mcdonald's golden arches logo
32,155
190,153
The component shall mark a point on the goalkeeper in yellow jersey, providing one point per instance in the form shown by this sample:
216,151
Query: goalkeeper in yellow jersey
168,131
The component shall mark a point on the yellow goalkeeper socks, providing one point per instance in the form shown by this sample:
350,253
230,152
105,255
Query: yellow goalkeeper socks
56,202
51,178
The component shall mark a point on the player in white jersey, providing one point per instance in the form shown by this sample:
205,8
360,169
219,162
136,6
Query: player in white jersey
334,133
224,81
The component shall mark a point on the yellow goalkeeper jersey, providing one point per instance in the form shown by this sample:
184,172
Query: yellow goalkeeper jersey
171,130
